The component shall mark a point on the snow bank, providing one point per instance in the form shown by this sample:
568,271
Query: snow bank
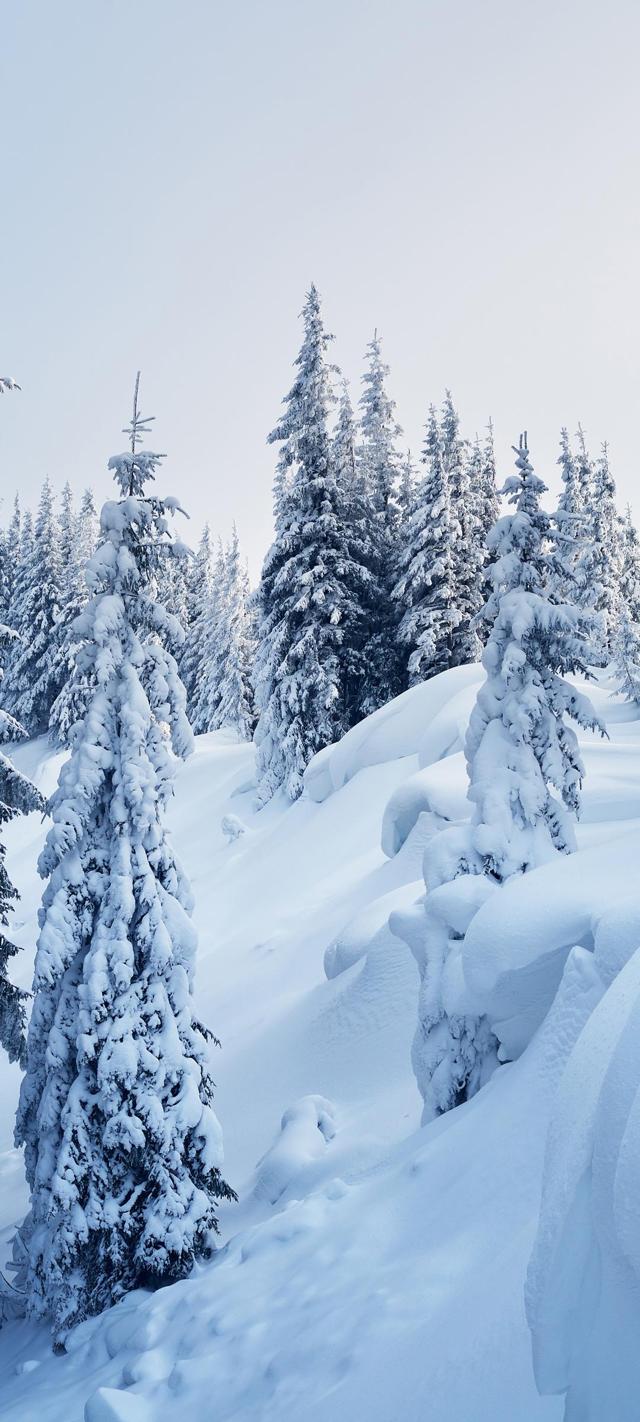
583,1288
395,731
438,792
305,1131
516,947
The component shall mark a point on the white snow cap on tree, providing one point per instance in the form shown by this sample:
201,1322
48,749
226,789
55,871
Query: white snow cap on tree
122,1146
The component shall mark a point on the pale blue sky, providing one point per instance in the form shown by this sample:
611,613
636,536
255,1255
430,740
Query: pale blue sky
463,174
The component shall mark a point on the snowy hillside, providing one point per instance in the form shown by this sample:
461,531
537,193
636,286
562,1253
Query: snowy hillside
372,1268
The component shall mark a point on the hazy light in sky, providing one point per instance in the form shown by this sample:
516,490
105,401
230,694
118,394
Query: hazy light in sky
463,175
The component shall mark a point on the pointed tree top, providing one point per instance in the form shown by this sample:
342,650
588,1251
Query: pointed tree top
140,424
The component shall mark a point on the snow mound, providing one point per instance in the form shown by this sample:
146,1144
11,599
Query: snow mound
305,1132
368,930
394,732
515,949
437,792
583,1288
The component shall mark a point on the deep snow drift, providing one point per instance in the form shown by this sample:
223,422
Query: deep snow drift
372,1268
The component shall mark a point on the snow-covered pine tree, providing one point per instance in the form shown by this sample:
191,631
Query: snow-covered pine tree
34,674
630,566
625,656
122,1147
357,521
599,565
78,539
489,503
520,748
481,478
467,540
235,706
406,489
425,588
379,430
17,796
10,561
171,590
203,713
308,581
197,575
379,466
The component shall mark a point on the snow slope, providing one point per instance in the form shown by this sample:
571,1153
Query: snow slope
372,1268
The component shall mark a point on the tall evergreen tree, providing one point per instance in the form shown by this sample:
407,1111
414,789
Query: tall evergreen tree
78,539
17,796
357,520
629,566
525,773
197,595
520,747
9,554
379,465
467,540
599,569
205,703
122,1147
34,677
380,431
235,708
308,581
425,588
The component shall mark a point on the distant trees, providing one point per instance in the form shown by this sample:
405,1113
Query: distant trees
378,576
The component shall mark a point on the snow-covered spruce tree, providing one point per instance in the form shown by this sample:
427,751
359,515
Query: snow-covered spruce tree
308,582
481,479
197,575
629,566
205,704
379,465
379,432
9,554
625,651
78,539
14,533
488,498
599,566
356,517
467,551
17,796
34,676
425,589
122,1147
406,489
170,583
235,707
520,748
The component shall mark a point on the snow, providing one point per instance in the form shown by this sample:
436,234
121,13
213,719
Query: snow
373,1267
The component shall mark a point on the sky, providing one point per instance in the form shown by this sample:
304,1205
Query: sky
463,175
